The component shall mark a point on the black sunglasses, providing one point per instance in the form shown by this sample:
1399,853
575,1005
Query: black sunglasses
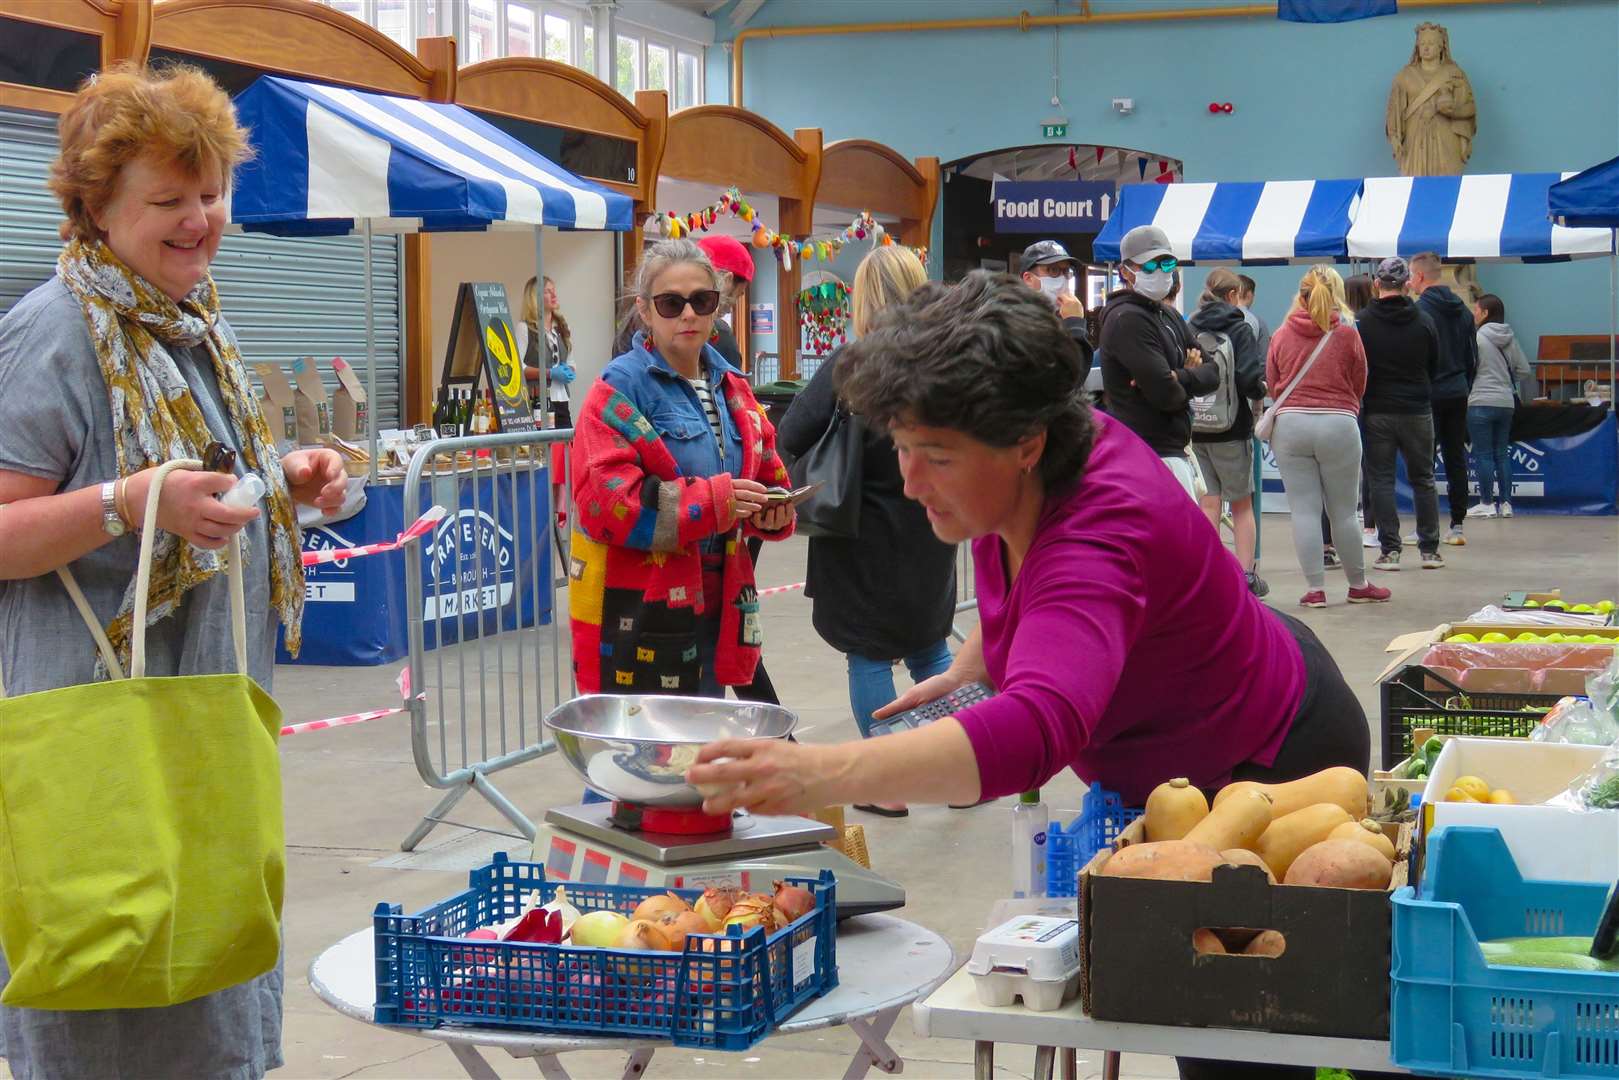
703,302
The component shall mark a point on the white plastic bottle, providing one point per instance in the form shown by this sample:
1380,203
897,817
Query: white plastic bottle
1030,819
248,490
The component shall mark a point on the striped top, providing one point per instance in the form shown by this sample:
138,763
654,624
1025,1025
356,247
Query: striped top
705,397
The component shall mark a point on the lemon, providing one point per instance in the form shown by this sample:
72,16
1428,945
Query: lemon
1473,787
1456,794
1502,797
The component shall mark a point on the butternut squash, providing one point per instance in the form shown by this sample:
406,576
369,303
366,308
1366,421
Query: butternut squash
1266,943
1368,832
1340,785
1164,860
1206,942
1244,857
1340,864
1173,808
1290,834
1238,822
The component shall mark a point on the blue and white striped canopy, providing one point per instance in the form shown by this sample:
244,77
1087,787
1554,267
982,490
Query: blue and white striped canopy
329,157
1277,221
1587,198
1486,217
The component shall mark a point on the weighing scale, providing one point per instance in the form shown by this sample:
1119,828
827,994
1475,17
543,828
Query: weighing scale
636,750
598,842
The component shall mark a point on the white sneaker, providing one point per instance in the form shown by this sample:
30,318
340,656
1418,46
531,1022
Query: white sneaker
1410,538
1506,509
1368,538
1481,510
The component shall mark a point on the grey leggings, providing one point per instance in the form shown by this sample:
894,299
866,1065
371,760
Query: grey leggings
1318,455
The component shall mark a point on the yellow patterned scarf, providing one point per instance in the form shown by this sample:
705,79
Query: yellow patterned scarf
155,419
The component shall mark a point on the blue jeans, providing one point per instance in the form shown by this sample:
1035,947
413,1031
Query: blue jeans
1489,427
871,682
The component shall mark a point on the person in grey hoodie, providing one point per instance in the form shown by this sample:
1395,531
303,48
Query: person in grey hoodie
1453,381
1501,367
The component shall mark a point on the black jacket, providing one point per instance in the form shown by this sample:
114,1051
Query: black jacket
891,591
1080,332
1402,355
1220,317
1458,342
1144,373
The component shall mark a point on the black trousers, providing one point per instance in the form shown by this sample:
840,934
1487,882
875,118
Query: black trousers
1328,729
761,688
1450,432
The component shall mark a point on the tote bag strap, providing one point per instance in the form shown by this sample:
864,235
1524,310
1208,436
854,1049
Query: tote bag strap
143,581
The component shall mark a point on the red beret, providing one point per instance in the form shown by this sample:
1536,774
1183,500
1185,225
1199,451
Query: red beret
727,253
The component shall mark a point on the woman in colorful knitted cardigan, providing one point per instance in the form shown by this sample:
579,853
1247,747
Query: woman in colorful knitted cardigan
672,459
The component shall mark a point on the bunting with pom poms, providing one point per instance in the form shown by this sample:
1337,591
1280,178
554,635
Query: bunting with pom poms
863,229
672,225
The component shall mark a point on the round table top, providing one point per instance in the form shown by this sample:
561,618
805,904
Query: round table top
884,962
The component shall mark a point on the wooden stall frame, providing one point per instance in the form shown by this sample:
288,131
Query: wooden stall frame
858,174
124,27
724,146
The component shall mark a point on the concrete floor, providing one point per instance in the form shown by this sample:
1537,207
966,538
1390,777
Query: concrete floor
352,794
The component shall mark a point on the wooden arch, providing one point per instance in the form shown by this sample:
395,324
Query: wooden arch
299,38
724,145
117,28
858,174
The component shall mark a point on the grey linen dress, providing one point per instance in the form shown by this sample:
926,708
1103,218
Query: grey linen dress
56,423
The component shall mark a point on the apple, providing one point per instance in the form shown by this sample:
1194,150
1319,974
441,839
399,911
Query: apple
1583,609
1605,606
1494,637
1531,603
1462,639
1554,638
1593,639
1527,636
1557,604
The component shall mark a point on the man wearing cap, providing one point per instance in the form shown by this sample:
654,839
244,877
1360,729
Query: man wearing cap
1402,360
1049,269
1458,366
735,265
1150,368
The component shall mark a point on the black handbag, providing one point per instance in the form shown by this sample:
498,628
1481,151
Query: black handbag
836,462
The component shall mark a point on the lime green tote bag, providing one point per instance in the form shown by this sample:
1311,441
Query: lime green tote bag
142,856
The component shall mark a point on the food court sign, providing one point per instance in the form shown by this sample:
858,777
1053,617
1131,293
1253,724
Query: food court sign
1053,207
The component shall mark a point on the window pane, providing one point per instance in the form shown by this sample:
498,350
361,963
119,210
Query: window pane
481,44
427,18
687,96
587,51
393,19
355,8
519,30
657,67
558,39
628,76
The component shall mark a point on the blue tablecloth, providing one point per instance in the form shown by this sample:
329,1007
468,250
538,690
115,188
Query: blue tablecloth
486,548
1575,474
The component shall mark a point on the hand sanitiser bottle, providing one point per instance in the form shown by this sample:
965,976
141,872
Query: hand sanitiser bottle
248,490
1030,819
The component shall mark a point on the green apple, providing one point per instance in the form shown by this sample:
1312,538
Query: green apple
1558,604
1594,639
1494,637
1583,609
1605,606
1554,638
1462,639
1527,636
1531,603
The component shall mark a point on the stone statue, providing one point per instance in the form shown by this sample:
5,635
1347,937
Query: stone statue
1431,114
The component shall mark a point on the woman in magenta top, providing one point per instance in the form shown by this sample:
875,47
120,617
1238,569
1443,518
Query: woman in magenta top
1118,631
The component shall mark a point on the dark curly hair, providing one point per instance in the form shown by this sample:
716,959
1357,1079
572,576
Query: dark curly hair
987,357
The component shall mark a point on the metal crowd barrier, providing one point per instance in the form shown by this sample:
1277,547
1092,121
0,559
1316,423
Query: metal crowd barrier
966,594
478,700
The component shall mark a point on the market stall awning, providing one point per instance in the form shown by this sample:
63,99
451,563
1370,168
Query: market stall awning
1589,198
1462,218
1276,221
327,157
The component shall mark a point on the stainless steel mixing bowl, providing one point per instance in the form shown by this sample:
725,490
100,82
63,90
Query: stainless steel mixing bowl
637,748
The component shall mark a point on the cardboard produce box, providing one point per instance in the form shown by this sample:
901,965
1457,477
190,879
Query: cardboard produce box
282,411
1140,967
313,407
1549,843
349,411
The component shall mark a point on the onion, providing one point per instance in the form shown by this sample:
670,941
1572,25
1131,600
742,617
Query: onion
679,925
642,934
751,911
599,929
657,908
570,914
714,905
792,902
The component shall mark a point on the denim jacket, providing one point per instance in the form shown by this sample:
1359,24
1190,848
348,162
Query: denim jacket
671,405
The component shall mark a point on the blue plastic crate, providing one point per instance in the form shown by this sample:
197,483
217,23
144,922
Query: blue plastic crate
723,992
1102,817
1452,1013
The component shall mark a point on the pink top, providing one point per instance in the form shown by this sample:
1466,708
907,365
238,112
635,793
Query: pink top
1336,382
1129,647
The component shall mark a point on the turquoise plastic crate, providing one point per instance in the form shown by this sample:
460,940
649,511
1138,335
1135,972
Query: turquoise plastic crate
1454,1015
1102,817
723,992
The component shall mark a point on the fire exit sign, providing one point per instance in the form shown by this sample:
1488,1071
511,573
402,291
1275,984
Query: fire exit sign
1054,131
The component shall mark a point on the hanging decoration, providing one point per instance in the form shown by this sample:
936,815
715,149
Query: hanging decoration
823,316
669,224
862,229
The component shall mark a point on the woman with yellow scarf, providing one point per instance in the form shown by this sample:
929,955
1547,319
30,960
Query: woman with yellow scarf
119,363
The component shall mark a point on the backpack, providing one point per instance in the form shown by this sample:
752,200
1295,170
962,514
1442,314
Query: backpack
1216,411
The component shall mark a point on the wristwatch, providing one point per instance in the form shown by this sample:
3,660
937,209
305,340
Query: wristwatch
111,523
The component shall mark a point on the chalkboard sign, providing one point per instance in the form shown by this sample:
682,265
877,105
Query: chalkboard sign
481,342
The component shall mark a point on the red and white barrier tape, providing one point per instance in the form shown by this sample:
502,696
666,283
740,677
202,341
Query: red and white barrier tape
403,682
418,529
780,589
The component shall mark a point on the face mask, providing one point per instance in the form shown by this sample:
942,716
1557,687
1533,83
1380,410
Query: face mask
1154,286
1053,287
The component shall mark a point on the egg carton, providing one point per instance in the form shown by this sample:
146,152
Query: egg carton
1033,957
